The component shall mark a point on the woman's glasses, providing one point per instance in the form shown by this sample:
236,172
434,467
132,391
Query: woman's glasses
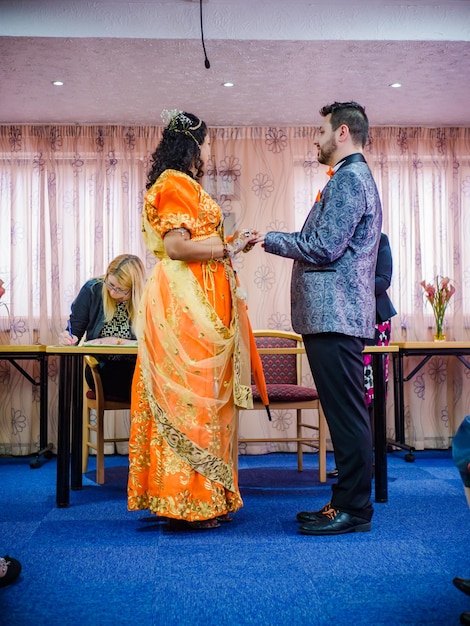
121,292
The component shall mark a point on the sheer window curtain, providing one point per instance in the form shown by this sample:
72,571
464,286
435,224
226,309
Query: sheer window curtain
71,199
424,180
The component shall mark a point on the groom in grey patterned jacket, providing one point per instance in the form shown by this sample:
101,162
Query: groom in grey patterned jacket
333,307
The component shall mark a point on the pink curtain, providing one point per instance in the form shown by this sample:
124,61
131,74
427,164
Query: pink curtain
71,197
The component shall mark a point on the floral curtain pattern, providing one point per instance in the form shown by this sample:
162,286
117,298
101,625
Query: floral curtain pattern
71,198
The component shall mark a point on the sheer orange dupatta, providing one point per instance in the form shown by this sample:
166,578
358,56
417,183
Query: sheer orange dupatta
257,371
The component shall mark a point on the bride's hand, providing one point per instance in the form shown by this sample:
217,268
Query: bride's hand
243,240
259,238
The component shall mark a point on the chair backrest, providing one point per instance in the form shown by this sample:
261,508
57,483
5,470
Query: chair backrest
96,399
279,369
282,364
95,372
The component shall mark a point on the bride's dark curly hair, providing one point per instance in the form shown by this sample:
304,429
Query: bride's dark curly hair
179,148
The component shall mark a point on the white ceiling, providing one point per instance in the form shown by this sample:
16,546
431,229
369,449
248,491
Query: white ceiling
123,61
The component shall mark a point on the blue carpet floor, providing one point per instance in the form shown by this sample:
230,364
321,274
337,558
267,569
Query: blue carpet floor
95,563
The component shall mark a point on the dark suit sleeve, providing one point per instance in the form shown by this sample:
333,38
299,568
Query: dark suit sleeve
383,270
86,309
383,277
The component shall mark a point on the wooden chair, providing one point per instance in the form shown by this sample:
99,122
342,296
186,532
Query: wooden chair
281,354
96,400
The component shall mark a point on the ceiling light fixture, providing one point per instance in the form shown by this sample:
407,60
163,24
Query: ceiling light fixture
57,83
228,84
395,85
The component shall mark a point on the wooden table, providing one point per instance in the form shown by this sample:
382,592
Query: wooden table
426,349
34,352
70,417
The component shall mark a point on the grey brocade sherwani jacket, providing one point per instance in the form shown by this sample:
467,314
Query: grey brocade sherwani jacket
335,254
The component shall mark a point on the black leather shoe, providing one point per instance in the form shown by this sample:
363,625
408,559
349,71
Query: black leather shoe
338,524
465,619
314,516
10,569
463,584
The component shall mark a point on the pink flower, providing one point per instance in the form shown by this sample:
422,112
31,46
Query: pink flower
438,296
2,289
430,291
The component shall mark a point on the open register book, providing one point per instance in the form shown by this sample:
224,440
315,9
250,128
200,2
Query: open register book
128,344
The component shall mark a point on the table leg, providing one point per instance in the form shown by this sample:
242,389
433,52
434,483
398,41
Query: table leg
43,390
63,431
77,422
399,401
380,429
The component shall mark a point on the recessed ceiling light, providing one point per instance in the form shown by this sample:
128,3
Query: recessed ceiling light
228,84
395,85
57,83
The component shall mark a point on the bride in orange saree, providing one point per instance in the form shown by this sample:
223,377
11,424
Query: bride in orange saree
193,366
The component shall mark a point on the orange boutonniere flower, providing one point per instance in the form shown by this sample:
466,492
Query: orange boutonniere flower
329,173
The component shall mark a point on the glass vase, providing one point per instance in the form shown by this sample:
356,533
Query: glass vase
439,334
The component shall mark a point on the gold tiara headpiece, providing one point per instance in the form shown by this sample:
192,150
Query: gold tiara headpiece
178,121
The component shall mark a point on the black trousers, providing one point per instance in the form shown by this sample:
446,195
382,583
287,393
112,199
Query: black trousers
337,365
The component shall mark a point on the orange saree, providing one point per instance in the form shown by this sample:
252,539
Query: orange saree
192,370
